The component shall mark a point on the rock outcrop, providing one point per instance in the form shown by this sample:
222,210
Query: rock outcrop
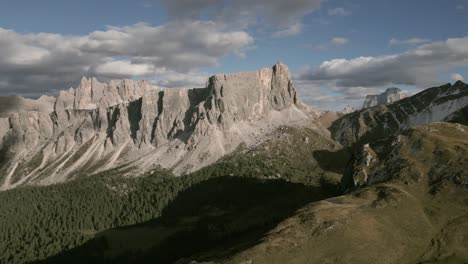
437,151
390,95
444,103
133,125
347,110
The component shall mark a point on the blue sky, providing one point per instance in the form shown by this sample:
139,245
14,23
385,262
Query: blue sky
337,51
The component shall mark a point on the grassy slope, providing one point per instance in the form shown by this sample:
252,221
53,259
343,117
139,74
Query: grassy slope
420,216
295,154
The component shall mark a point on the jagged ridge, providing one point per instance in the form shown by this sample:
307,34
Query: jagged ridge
431,105
132,124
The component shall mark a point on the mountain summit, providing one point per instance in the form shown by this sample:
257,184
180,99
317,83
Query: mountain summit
133,125
389,96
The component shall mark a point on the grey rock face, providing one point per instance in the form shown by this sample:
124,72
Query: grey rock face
100,126
391,95
347,110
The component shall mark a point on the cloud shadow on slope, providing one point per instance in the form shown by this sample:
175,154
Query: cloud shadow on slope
334,161
210,220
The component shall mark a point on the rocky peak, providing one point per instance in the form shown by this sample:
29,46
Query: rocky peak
47,98
390,95
282,90
459,83
444,103
252,95
99,126
348,110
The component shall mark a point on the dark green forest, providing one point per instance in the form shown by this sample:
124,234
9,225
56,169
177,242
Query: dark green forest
37,222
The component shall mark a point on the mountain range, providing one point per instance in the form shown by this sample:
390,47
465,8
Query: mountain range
131,124
239,171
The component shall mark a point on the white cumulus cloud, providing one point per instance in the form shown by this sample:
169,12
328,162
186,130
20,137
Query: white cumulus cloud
339,11
418,66
335,42
244,13
349,79
340,41
411,41
457,77
36,63
292,30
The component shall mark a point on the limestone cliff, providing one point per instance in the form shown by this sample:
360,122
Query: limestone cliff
390,95
133,125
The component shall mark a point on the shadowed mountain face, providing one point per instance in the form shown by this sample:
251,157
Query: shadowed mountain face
460,116
131,124
227,213
431,105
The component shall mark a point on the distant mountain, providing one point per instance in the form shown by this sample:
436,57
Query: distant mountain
431,105
390,95
136,127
